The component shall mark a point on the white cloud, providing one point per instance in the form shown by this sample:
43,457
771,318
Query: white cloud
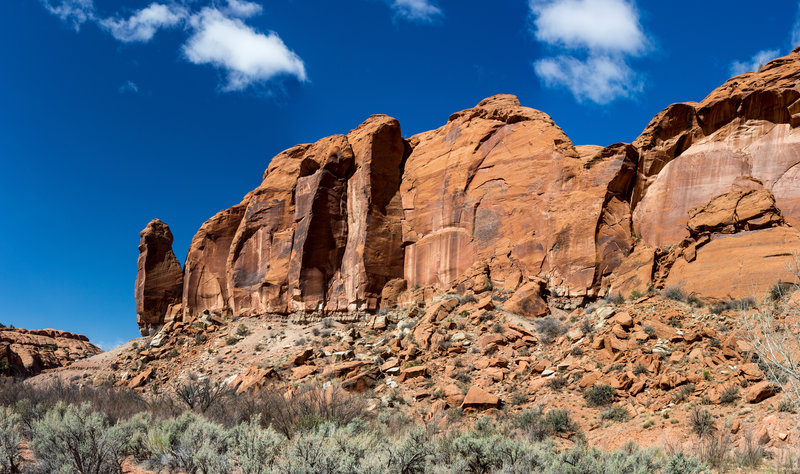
599,25
595,38
416,10
242,8
142,25
129,86
600,79
217,36
755,63
76,12
247,56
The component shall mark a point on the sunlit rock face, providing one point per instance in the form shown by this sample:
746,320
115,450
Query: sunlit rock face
499,197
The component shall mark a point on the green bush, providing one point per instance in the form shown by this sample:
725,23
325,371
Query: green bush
10,438
188,443
256,449
334,450
679,463
599,395
72,438
538,425
242,331
616,413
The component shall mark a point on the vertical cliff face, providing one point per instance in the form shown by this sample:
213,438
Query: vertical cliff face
500,196
159,281
502,183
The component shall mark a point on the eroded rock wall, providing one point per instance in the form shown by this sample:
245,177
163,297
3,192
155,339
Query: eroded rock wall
499,196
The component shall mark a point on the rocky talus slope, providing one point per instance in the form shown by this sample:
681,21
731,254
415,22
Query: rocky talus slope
25,352
707,198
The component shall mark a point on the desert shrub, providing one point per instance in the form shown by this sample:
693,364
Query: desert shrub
133,432
779,290
649,330
616,413
255,449
558,383
684,392
786,406
335,450
412,453
702,422
615,298
200,395
10,438
714,448
308,407
587,327
599,395
695,301
640,369
188,443
751,453
72,438
231,340
679,463
518,398
577,351
584,459
468,298
674,293
485,450
538,425
549,328
242,331
635,295
327,323
729,394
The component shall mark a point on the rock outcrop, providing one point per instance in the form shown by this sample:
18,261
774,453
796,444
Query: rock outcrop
26,352
499,197
159,281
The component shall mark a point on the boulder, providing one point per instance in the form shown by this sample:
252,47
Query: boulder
479,399
527,301
760,391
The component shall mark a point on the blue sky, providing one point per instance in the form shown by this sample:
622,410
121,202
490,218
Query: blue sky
114,112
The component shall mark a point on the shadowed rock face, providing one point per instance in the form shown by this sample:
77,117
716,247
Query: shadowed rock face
499,196
159,281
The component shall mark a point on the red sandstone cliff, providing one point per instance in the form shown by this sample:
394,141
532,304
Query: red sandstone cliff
706,198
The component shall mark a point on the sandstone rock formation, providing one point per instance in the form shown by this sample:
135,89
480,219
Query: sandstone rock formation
26,352
499,197
159,281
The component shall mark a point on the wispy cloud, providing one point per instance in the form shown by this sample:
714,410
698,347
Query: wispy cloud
242,8
129,86
595,39
218,36
754,63
246,56
142,25
74,12
109,345
424,11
